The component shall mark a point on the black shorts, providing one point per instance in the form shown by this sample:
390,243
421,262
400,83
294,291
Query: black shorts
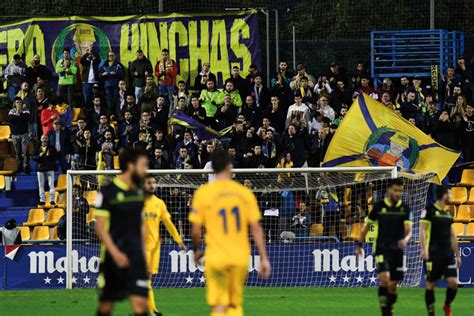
391,261
116,284
440,267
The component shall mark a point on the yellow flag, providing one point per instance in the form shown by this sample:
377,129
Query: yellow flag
374,135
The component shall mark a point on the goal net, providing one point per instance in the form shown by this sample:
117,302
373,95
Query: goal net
311,217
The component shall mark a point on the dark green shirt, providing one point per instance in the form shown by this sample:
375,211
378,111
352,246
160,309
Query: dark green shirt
123,207
438,232
390,221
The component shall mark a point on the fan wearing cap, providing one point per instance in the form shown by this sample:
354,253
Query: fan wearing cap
10,234
301,72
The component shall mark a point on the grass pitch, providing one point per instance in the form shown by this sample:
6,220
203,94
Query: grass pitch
258,301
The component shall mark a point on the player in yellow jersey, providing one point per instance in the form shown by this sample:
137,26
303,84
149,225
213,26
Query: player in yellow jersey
155,211
226,209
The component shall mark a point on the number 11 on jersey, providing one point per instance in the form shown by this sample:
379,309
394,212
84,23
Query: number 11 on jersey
235,212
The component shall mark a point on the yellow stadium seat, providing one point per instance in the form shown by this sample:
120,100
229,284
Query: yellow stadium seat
54,235
10,167
467,178
2,182
458,228
35,217
47,205
471,196
58,199
459,195
41,233
469,232
76,114
54,215
356,228
5,133
464,214
116,163
25,232
61,185
451,209
316,230
90,196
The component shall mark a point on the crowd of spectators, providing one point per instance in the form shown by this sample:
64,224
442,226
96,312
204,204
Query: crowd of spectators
287,124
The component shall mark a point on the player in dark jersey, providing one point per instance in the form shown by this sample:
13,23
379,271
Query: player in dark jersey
439,250
119,207
392,217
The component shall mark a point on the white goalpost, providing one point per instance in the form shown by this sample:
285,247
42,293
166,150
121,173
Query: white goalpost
311,218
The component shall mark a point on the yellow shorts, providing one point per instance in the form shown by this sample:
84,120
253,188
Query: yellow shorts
225,285
153,259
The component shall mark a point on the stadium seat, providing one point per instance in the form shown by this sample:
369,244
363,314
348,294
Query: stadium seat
116,163
76,113
451,209
54,235
458,228
464,214
31,149
469,232
60,203
25,232
61,185
6,150
35,217
316,230
47,205
467,178
356,228
41,233
459,195
471,196
2,182
5,133
54,215
90,197
10,167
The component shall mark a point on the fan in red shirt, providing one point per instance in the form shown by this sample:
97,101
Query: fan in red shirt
366,88
166,70
48,117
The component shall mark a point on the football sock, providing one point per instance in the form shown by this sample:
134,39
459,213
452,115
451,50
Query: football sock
383,300
151,299
450,295
429,300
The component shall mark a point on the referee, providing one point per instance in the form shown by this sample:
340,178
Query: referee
119,207
439,250
394,229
